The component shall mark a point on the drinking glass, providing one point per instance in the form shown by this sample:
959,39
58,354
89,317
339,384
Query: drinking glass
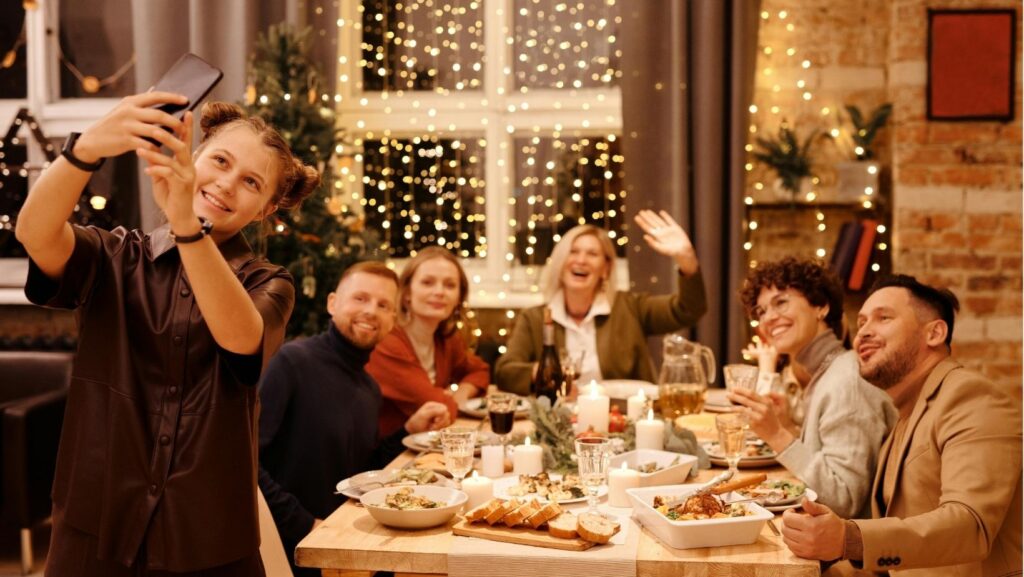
572,364
457,444
740,376
593,454
501,410
731,438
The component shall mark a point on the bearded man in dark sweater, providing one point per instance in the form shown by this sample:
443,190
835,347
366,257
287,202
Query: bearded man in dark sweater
318,422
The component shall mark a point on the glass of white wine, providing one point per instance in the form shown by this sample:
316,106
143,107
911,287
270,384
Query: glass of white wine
731,438
593,455
458,444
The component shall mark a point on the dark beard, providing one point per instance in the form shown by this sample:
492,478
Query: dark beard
890,373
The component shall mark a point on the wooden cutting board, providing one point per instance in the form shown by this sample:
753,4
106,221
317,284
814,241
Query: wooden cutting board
519,535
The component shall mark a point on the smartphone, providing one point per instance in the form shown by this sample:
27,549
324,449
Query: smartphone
191,76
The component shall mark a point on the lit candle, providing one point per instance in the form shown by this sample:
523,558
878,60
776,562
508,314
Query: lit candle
618,481
635,405
593,410
478,489
492,459
528,459
650,433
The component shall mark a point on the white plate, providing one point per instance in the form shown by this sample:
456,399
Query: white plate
476,407
502,486
809,493
717,458
430,441
368,477
626,388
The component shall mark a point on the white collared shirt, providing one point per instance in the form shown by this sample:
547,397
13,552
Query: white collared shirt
583,336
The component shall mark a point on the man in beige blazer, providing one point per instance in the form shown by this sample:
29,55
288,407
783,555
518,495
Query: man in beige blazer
947,493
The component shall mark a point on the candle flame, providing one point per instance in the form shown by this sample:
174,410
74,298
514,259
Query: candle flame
475,475
641,395
650,414
527,441
593,388
624,466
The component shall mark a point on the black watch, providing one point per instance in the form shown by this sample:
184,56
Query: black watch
205,228
68,153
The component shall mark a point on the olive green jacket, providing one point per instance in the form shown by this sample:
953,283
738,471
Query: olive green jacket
621,335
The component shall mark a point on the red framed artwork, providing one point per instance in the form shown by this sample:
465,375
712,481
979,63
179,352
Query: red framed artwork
971,64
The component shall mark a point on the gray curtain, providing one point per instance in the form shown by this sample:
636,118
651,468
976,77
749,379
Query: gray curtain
220,31
688,77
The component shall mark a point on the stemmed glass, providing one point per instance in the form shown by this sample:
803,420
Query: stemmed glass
457,444
593,454
572,364
731,438
501,410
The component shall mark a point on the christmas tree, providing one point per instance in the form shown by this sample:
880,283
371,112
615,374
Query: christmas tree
320,239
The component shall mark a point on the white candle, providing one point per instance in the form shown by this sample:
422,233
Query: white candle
618,481
592,410
492,459
478,489
635,405
528,459
650,433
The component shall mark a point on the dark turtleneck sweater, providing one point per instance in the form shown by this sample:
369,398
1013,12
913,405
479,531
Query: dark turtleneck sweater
318,425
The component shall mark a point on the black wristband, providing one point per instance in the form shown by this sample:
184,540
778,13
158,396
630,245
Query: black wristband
68,152
205,227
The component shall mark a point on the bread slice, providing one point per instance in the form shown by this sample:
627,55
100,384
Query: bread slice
563,526
549,511
595,528
480,511
499,513
519,516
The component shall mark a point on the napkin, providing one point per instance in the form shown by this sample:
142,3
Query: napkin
682,440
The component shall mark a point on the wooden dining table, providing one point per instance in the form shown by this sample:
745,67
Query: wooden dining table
350,542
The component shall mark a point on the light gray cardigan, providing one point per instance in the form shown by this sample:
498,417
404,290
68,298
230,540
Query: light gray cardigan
845,422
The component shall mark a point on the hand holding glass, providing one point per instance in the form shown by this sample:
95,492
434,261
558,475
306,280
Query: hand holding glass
593,455
457,444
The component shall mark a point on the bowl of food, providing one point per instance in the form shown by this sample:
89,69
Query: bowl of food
702,521
656,467
416,507
355,486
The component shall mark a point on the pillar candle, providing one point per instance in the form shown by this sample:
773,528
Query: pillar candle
528,459
618,481
593,410
478,489
492,460
635,405
650,433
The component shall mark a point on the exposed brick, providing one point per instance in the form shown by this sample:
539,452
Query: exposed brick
970,175
911,133
984,350
993,201
994,282
929,198
909,176
911,260
1001,371
946,279
929,221
995,242
1011,263
980,305
957,132
1004,329
1008,304
963,261
1011,224
969,330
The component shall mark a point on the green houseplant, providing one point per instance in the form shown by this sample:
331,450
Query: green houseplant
787,156
865,129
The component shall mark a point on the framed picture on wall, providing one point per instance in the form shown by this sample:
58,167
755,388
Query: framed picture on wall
971,63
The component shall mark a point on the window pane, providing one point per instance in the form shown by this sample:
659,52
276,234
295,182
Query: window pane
96,53
423,45
563,182
559,44
426,191
13,81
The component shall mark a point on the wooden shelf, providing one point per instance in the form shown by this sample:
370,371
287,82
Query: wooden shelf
856,206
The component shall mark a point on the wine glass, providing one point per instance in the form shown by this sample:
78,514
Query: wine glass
593,455
572,364
501,410
731,438
457,443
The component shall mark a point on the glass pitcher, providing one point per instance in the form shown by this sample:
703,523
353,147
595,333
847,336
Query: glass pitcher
681,386
676,346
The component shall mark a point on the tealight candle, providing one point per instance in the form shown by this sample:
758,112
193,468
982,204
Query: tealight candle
492,460
478,489
593,410
635,405
618,481
527,459
650,433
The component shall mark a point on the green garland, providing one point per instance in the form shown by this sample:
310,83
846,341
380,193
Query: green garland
553,431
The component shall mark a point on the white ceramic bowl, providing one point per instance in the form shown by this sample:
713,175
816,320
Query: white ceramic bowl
693,534
452,500
668,475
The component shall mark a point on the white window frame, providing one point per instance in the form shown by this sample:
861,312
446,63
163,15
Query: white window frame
498,113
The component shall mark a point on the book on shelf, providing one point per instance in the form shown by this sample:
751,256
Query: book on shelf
845,250
862,260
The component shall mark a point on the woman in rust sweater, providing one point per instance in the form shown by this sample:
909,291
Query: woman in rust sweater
425,354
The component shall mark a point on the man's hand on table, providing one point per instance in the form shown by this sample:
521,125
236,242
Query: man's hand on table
816,534
429,417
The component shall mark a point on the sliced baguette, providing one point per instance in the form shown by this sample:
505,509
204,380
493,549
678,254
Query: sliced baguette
549,511
499,513
480,511
595,528
563,526
519,516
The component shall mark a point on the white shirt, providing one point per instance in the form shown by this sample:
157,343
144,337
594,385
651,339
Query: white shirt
583,336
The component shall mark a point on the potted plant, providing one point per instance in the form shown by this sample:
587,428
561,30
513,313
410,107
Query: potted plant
858,180
788,157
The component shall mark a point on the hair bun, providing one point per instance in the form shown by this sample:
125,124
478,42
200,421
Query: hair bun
307,179
217,114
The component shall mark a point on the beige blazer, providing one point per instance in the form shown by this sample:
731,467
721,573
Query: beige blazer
956,505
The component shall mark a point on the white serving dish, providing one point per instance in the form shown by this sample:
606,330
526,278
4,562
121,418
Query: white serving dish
622,389
452,499
693,534
669,475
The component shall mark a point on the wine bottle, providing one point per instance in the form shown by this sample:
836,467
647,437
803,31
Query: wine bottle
549,376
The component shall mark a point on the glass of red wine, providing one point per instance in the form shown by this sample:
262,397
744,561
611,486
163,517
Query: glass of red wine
501,410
